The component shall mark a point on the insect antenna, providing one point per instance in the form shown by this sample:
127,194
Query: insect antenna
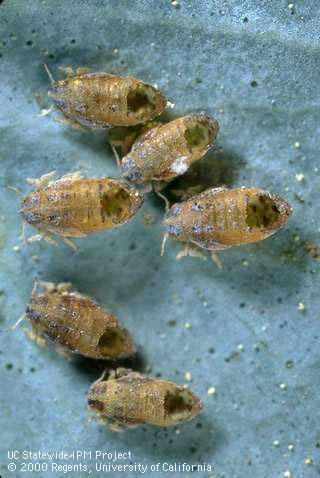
163,245
49,74
13,327
15,190
116,155
164,198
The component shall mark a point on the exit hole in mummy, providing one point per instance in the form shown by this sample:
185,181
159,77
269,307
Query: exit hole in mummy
111,343
140,100
115,202
178,405
262,212
197,136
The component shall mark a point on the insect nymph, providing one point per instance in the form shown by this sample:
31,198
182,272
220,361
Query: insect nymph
76,323
99,100
74,207
128,399
167,150
220,218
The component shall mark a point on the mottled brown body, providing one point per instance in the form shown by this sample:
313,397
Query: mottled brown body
220,218
134,399
76,207
167,151
100,100
79,325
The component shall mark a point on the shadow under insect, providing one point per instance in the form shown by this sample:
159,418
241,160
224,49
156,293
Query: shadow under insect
198,437
95,141
219,167
91,369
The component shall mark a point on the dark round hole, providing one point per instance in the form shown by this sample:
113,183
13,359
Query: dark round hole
111,343
139,101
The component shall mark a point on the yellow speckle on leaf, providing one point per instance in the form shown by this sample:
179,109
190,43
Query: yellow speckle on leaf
313,250
212,391
299,177
148,219
176,298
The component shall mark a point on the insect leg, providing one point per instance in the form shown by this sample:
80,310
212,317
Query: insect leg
106,375
36,336
163,245
48,238
163,197
122,372
70,122
216,259
116,155
47,286
45,235
43,181
71,176
36,237
49,74
16,190
82,70
63,352
64,287
45,112
192,251
70,243
67,70
22,236
118,425
14,326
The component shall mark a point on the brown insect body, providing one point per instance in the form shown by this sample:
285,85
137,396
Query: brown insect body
79,325
134,399
167,151
77,207
220,218
99,100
